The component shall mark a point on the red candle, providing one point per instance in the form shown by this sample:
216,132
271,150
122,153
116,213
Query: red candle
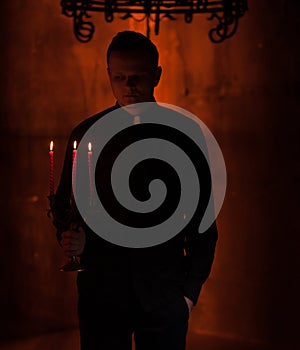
90,171
74,164
51,169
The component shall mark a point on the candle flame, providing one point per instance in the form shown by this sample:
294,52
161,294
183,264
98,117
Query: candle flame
90,147
75,144
51,146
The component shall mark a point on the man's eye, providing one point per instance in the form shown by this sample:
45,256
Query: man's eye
137,77
118,77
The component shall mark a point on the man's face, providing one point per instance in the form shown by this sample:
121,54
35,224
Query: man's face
133,76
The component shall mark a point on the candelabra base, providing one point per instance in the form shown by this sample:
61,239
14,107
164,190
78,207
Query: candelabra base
72,265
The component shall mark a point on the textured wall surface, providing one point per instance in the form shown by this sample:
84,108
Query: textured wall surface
247,92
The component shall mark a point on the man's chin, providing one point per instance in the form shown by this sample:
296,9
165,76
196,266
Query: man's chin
131,100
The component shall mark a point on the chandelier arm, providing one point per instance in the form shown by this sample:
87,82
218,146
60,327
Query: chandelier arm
157,18
226,12
83,30
148,26
227,23
188,16
109,10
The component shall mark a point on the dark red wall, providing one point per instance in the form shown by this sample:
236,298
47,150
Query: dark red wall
246,90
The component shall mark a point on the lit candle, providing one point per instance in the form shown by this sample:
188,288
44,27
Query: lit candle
90,171
74,165
51,169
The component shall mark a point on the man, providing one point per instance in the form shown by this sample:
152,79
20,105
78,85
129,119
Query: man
148,292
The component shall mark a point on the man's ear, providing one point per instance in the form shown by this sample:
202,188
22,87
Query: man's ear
157,75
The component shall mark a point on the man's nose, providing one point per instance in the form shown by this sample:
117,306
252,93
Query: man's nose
130,81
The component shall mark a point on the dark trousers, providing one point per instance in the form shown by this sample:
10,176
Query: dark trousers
108,319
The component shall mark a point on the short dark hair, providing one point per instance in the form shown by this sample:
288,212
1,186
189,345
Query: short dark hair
129,40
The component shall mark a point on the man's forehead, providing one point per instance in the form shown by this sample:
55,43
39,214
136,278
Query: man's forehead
135,59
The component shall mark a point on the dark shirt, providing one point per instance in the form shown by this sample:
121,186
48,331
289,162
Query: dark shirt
185,260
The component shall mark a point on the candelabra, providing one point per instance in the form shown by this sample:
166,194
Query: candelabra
70,220
226,12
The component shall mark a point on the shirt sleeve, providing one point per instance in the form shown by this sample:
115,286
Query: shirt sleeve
200,250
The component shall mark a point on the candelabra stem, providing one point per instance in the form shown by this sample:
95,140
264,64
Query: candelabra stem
73,265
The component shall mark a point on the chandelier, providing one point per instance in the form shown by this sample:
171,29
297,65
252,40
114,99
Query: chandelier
226,13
